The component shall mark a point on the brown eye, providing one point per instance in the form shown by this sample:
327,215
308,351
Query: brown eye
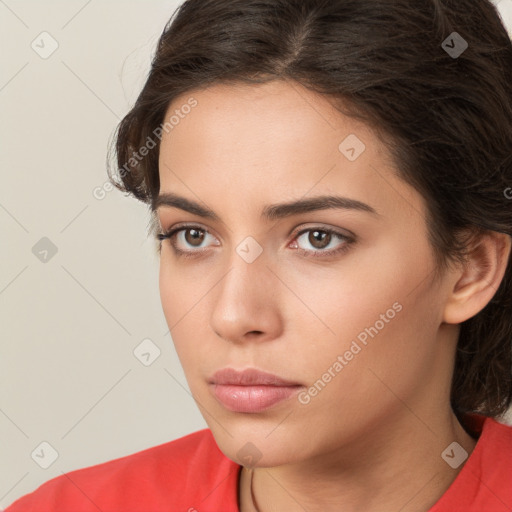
194,237
320,242
319,239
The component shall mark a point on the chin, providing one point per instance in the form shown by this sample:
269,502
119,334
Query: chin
250,446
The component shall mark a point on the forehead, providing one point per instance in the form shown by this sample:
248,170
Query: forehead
264,126
273,112
277,140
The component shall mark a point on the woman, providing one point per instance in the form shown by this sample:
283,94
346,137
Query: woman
330,187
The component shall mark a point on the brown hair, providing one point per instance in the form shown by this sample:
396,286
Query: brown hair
446,119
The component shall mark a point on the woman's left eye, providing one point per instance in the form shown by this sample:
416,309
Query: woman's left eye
320,239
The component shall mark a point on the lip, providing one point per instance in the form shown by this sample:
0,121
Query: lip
250,390
249,377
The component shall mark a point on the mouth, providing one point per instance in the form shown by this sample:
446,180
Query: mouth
251,390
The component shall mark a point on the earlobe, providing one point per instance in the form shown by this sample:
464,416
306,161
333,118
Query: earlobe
479,278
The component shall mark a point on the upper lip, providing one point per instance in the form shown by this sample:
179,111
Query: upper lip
248,377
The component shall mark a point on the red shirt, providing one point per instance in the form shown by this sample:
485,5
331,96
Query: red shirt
191,474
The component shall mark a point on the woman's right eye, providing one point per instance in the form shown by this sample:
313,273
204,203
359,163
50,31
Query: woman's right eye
184,237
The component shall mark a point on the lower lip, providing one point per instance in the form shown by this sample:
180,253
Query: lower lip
252,398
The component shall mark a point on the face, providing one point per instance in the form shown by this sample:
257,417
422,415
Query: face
337,300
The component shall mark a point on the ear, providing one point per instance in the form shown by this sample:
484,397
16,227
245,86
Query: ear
480,277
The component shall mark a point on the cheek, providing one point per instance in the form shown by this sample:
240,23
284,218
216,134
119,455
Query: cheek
167,297
177,300
179,289
184,300
377,317
372,368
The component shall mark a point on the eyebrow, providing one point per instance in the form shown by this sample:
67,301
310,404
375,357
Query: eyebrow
270,212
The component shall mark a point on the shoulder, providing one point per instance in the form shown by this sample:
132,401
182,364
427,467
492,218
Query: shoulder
496,456
493,450
176,473
484,481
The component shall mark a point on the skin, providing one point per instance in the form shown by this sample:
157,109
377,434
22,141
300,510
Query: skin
372,438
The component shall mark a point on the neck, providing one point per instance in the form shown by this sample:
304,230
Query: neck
392,466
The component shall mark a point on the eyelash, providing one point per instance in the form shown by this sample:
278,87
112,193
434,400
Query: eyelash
347,241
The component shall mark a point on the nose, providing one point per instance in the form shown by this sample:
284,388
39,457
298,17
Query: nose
246,306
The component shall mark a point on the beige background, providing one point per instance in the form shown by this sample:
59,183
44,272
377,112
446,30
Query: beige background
70,323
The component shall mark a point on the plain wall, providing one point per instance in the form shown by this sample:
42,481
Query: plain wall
70,321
